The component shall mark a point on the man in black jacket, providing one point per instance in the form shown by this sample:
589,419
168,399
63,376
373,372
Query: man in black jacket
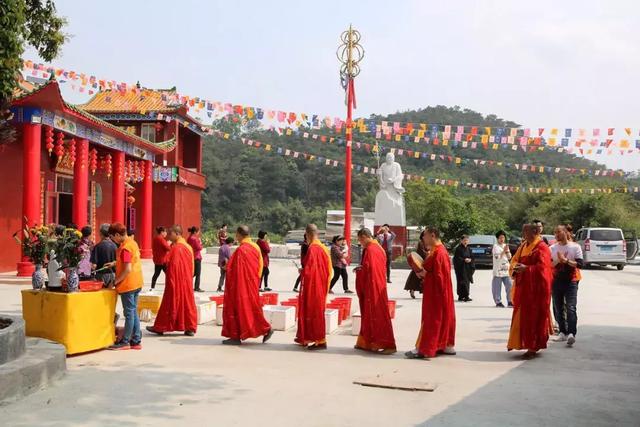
464,267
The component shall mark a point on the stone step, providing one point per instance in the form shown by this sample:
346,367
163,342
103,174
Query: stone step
43,362
11,339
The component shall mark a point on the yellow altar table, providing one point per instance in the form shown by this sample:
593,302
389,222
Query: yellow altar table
81,321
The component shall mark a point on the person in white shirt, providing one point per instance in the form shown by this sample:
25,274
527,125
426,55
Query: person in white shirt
567,261
501,258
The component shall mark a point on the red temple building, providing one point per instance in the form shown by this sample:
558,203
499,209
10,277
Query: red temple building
125,156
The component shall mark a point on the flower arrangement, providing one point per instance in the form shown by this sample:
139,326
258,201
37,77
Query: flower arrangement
36,243
68,250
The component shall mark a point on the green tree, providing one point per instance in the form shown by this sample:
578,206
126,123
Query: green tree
24,22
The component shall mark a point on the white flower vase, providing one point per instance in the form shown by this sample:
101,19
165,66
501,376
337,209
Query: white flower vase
38,278
73,280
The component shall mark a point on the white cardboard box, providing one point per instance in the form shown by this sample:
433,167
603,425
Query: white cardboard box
280,317
356,319
206,312
331,320
219,314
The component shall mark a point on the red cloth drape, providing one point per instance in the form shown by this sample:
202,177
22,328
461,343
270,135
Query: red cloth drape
438,328
242,313
376,330
316,277
178,308
531,299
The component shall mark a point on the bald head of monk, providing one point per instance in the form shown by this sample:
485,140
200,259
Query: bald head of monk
311,232
175,232
530,232
242,233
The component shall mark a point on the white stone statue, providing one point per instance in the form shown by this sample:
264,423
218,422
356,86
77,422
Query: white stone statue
389,200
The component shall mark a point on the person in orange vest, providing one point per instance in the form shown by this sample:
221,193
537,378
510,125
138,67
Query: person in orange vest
128,284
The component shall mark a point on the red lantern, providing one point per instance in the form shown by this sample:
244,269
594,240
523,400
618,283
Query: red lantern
49,139
59,145
128,171
93,161
72,151
107,165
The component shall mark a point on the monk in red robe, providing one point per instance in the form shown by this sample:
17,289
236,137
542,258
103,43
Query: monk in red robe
242,312
178,308
315,279
532,271
376,330
438,327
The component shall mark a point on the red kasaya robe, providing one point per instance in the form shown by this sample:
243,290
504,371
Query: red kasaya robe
242,312
438,328
376,330
316,278
178,308
531,299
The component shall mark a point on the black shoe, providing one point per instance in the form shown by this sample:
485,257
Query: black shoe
388,280
500,305
267,336
413,295
348,291
267,289
460,299
317,347
198,290
231,342
511,304
467,299
219,290
412,355
189,333
295,290
330,291
153,331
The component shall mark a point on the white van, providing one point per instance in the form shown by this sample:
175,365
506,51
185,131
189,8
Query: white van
603,246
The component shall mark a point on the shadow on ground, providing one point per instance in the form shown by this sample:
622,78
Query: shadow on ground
132,391
596,383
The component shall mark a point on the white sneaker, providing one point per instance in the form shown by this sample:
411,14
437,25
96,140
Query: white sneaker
451,351
561,337
571,340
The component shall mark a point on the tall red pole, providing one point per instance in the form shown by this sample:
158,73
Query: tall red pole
79,212
147,216
117,192
31,153
347,166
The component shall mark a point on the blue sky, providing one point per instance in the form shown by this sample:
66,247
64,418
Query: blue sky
542,64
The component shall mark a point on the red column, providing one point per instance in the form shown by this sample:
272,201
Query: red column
79,213
146,217
31,152
117,191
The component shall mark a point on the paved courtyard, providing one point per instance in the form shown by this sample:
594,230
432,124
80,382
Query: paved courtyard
178,380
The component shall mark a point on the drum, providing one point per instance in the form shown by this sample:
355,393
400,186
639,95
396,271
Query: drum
415,261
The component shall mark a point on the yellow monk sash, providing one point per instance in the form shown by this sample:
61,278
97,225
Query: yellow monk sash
317,242
182,241
248,241
524,250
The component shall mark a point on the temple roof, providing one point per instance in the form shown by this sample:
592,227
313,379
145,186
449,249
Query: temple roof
140,101
48,96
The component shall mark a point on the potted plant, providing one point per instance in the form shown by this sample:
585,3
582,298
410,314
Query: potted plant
35,246
68,254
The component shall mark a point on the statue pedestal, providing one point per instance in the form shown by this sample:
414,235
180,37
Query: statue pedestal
389,208
400,242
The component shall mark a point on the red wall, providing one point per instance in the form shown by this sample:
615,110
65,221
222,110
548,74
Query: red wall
11,205
175,204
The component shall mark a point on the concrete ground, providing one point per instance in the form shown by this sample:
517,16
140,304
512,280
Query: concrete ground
177,380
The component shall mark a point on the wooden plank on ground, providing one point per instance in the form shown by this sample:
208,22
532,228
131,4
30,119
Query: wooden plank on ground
395,383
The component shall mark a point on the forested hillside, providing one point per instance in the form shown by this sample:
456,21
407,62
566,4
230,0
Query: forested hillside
278,193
